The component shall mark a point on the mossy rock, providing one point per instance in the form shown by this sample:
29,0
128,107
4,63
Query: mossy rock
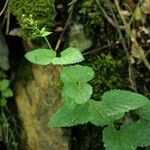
41,10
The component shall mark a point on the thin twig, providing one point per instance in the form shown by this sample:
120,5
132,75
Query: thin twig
5,5
66,25
8,21
132,38
107,17
131,75
98,49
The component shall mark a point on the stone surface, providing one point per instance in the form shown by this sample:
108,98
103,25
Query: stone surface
36,102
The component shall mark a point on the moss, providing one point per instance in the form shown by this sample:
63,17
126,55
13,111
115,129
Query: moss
91,11
41,10
109,74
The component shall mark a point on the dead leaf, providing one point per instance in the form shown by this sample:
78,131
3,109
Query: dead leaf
146,7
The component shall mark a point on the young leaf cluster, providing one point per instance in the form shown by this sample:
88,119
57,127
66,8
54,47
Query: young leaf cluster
79,108
48,56
5,92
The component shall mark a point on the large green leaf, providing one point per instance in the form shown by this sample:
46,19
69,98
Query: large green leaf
99,115
120,101
66,117
77,73
118,140
41,56
68,56
129,137
72,114
144,112
79,92
69,102
142,133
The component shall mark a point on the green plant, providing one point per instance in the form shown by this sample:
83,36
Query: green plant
42,10
116,106
8,135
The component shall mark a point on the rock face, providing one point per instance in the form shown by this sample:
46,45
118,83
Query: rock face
37,101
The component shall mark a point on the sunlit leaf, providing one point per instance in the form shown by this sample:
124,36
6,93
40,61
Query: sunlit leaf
41,56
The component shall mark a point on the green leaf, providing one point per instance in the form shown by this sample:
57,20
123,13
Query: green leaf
3,102
66,117
99,115
44,33
69,102
41,56
121,101
73,114
77,73
7,93
144,112
68,56
80,92
118,140
138,13
4,84
142,133
129,137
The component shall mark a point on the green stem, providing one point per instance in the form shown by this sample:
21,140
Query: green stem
45,39
47,43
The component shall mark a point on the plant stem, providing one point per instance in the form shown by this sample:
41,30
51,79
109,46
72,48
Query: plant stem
47,43
131,74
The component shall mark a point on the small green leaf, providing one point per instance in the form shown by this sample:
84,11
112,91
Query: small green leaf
121,101
44,33
138,13
80,92
3,102
4,84
77,73
66,117
41,56
68,56
7,93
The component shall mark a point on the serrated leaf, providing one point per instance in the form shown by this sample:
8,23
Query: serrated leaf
41,56
121,101
80,92
118,140
68,56
69,102
142,133
129,137
144,112
66,117
4,84
77,73
99,115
